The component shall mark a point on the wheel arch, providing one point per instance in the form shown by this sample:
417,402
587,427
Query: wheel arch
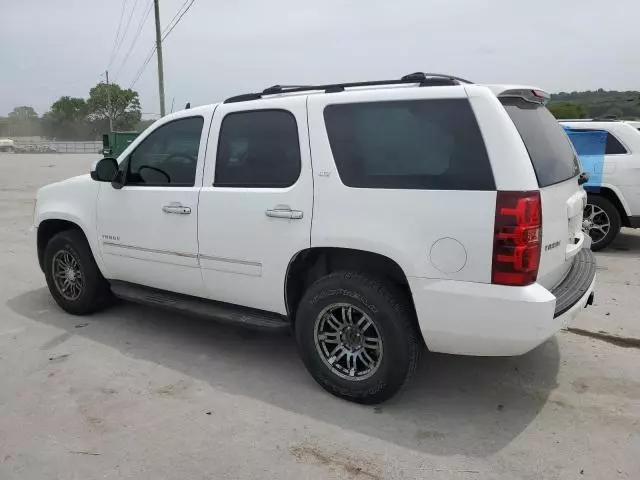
50,227
313,263
614,195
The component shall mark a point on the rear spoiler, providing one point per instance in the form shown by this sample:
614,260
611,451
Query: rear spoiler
529,95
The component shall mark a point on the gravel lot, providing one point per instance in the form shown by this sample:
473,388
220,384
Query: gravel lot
139,393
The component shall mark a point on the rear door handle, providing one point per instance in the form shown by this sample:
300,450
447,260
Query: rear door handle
284,213
176,209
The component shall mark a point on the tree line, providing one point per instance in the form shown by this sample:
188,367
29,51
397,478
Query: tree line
596,104
72,118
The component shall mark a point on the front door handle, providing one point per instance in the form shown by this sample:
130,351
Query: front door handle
284,213
177,209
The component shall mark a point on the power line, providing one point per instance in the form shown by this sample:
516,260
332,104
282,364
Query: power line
165,34
124,33
177,13
135,38
144,65
115,42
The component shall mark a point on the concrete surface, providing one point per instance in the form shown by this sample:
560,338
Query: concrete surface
618,292
137,393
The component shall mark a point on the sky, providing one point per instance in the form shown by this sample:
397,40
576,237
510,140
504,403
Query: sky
222,48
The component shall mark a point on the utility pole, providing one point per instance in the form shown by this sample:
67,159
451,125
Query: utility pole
106,73
159,53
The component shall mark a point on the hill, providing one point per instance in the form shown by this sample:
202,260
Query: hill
600,103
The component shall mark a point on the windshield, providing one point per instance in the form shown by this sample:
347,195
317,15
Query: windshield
550,150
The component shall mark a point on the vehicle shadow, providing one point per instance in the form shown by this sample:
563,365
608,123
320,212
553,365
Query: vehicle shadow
453,405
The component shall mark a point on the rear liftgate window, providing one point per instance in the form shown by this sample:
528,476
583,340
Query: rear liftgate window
417,144
550,149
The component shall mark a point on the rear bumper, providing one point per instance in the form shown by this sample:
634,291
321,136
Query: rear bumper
482,319
576,283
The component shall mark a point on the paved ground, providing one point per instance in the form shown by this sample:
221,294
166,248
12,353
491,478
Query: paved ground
137,393
618,294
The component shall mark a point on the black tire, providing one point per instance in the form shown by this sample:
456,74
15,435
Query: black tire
599,241
391,313
95,293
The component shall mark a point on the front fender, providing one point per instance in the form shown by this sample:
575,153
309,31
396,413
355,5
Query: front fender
73,200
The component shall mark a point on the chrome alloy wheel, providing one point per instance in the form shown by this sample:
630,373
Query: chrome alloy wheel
67,274
348,341
595,223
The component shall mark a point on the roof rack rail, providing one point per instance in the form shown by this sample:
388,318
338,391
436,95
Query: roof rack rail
421,78
594,119
282,89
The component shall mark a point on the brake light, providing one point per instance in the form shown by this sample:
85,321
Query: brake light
517,238
540,94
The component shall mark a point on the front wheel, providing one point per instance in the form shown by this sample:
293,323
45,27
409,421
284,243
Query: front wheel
601,221
357,337
74,280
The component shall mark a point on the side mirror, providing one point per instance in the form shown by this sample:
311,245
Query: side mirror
104,170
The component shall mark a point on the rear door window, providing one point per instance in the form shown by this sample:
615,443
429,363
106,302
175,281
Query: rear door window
550,150
419,144
613,146
587,142
258,149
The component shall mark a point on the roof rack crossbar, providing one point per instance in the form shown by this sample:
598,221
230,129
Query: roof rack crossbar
423,79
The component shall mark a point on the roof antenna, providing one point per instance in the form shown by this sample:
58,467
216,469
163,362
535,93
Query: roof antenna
187,106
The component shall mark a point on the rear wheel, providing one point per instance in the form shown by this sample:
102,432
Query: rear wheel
356,337
74,280
601,221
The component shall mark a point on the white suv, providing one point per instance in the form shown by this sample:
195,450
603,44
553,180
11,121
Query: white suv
614,189
372,218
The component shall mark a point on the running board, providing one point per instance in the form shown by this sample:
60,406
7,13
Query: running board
223,312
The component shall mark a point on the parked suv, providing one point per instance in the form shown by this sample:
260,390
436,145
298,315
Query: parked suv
372,218
614,198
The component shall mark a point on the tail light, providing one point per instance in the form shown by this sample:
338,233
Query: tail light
517,238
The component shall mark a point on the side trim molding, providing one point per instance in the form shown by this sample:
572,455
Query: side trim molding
150,250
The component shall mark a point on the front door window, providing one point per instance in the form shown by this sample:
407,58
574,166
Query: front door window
168,156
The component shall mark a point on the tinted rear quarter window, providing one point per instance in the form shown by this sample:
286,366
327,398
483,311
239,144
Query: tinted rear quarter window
614,146
418,144
549,148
